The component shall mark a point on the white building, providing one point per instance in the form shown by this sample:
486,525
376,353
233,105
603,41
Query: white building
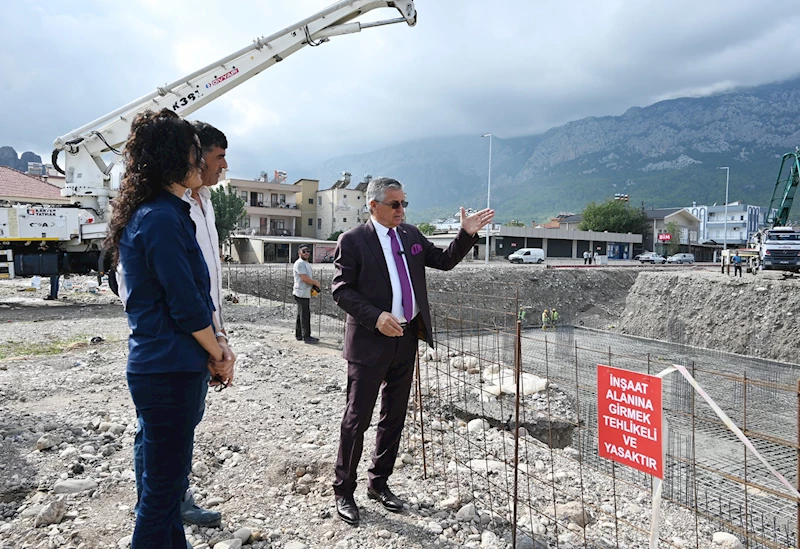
340,208
742,221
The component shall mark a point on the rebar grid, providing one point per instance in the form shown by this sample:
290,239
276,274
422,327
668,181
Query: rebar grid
707,470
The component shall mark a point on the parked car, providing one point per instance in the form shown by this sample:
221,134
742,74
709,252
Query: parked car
681,258
653,258
527,255
637,257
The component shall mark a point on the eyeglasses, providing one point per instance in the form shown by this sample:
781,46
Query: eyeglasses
395,204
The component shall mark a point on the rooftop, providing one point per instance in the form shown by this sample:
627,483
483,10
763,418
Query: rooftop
17,185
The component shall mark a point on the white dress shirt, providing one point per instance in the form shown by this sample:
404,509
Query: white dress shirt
394,278
208,240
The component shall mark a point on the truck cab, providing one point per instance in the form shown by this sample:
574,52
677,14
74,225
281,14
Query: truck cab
780,249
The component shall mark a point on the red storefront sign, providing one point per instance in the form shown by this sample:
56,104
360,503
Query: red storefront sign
665,237
629,419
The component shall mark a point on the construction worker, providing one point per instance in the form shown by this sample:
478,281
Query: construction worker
521,314
545,319
737,264
553,317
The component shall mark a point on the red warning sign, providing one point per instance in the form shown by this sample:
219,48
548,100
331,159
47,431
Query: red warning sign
629,419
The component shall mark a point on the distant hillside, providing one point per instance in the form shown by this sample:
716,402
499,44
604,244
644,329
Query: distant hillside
663,155
8,157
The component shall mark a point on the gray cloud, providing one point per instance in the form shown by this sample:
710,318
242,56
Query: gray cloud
515,68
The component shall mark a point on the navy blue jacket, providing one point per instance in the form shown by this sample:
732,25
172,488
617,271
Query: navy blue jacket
167,282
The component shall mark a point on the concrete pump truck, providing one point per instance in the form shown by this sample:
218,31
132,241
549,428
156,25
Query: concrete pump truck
778,244
44,239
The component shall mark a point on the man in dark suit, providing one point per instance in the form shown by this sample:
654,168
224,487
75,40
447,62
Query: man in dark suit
380,284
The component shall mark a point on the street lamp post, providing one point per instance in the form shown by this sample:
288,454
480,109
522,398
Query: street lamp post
488,193
727,179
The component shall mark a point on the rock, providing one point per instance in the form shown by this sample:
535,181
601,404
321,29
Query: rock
213,502
477,425
574,512
488,539
51,514
199,469
243,534
434,528
232,543
74,486
384,534
467,513
726,540
125,542
50,440
294,545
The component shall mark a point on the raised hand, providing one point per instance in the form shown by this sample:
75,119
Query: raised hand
476,221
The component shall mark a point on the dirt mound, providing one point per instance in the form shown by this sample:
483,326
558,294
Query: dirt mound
752,315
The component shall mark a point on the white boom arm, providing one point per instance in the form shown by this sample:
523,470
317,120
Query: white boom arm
88,177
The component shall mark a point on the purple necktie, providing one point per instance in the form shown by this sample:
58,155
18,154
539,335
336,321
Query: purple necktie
405,283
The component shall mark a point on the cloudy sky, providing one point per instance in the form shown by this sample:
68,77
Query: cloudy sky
510,67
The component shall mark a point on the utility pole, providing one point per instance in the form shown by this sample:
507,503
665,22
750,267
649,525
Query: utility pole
488,194
727,179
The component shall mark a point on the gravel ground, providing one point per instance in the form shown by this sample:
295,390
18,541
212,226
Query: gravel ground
264,453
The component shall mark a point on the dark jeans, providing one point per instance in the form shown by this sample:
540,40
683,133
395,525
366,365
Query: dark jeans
138,451
302,327
737,269
54,286
168,407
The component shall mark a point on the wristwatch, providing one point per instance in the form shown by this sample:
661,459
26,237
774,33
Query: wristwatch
222,335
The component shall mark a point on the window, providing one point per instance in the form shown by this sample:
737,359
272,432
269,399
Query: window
344,220
243,194
310,221
244,222
311,202
261,197
319,223
344,196
319,201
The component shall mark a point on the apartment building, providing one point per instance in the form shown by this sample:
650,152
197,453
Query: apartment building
340,208
735,229
271,206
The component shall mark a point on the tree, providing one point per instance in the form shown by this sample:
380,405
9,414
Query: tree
426,228
335,236
614,216
675,241
514,223
228,210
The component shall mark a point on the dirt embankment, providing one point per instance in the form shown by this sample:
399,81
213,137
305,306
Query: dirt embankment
752,315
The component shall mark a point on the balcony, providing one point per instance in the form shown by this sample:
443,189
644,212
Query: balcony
273,209
255,231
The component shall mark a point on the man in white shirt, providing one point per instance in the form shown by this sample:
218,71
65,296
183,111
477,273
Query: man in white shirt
201,211
303,283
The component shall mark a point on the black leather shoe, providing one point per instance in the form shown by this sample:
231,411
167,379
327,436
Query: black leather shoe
347,509
386,498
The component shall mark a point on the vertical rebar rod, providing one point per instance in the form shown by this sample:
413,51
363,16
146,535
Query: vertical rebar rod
694,469
744,449
421,420
797,520
518,370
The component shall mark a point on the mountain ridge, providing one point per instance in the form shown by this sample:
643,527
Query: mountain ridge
663,155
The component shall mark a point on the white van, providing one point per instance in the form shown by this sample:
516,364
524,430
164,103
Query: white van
527,255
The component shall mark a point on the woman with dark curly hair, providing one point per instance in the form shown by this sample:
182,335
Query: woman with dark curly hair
172,345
